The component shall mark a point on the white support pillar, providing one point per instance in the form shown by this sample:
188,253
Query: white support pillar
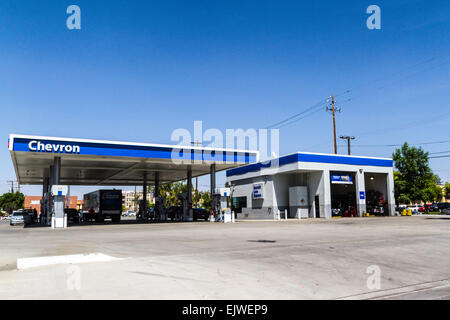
157,197
144,195
57,170
390,193
326,212
49,203
190,214
212,185
360,186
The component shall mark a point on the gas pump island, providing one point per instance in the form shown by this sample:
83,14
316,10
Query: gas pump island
56,163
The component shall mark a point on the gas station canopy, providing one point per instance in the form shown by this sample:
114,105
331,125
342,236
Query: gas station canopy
100,162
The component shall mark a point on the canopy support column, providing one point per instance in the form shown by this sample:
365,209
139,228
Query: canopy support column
57,170
212,185
190,216
156,196
144,196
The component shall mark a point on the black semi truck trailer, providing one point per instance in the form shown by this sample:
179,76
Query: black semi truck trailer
101,204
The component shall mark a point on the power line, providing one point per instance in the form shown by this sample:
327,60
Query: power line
282,122
401,144
446,156
406,125
405,76
298,119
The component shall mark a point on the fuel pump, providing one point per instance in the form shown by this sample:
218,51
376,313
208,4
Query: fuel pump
141,211
184,205
59,219
215,206
160,211
219,204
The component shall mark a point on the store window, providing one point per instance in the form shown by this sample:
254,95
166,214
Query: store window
239,203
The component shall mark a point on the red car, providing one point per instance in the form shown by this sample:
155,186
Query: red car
424,208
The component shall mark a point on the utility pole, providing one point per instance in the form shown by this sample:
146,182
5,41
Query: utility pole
12,185
348,138
333,110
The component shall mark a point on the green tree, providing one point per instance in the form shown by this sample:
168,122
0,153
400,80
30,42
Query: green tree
414,178
432,192
447,189
206,200
11,201
171,191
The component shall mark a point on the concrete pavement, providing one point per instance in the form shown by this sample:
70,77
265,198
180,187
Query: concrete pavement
308,259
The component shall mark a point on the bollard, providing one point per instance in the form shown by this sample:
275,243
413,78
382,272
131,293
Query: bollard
232,217
298,214
285,214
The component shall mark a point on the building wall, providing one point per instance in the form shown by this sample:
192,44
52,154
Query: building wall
316,176
316,188
128,199
256,208
34,202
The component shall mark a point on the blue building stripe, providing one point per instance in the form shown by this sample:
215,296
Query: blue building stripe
136,151
306,157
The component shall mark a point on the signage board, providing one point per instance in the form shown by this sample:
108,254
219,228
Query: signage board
341,179
258,191
60,190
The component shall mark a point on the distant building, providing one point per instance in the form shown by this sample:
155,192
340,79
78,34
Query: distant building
34,202
445,198
130,199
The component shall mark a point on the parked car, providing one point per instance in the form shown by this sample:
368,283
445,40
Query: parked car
72,215
128,214
440,206
200,213
414,208
446,210
174,212
434,207
17,217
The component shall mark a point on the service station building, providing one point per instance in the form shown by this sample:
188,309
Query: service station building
311,185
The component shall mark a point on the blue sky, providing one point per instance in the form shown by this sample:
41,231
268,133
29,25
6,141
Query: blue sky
138,70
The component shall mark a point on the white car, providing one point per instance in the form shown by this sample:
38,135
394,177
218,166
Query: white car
414,208
128,214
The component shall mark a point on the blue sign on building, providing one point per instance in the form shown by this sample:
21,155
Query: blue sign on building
341,179
362,195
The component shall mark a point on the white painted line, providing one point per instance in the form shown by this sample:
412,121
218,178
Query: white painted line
26,263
